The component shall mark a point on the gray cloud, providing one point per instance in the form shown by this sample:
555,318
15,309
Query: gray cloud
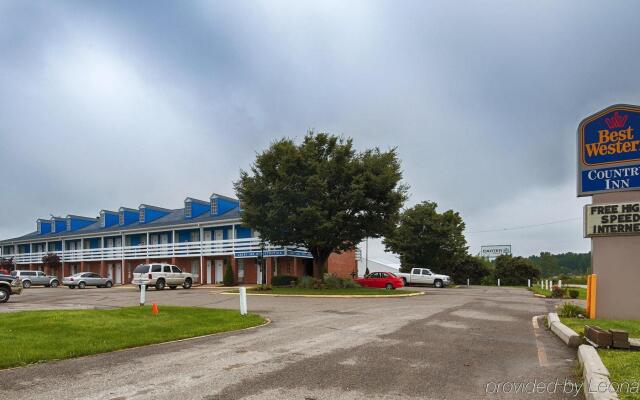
119,103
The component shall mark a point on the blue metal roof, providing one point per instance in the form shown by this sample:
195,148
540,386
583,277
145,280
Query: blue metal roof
173,218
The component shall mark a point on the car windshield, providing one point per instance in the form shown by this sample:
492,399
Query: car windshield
391,273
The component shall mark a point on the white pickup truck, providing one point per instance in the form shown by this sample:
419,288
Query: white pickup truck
424,276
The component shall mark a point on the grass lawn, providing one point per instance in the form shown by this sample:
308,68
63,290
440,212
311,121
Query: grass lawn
624,366
330,292
32,336
582,293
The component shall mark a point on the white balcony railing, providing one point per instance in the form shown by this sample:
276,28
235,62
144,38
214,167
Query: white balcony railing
237,247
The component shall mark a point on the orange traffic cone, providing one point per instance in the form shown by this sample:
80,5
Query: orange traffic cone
154,309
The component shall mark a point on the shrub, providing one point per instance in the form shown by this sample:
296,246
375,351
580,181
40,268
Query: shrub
573,293
570,310
283,280
488,280
262,288
306,282
557,292
349,284
332,281
227,277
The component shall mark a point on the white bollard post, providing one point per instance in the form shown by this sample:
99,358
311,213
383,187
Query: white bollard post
467,281
560,283
142,294
243,301
498,282
528,283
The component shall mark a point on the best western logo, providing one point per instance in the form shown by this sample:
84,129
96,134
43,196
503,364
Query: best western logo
610,140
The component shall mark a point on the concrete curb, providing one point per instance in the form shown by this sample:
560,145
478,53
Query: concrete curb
595,375
566,334
335,296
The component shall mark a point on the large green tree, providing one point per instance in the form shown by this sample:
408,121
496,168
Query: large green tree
426,238
515,270
321,195
472,268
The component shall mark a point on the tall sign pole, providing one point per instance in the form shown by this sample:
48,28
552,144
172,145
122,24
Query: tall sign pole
609,171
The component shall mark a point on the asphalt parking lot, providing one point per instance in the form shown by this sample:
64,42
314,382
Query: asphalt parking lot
466,343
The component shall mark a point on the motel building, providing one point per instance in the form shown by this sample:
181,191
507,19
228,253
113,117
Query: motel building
198,238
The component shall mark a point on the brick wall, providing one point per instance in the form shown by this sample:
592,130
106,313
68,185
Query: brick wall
342,265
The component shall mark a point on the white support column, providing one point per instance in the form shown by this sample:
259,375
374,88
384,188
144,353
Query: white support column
233,237
173,243
147,246
122,274
201,237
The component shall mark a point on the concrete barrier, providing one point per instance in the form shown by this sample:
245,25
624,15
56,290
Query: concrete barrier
595,375
566,334
551,318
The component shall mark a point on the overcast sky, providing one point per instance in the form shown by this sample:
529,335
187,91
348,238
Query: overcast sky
109,104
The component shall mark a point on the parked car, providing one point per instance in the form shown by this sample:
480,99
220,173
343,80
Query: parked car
84,279
161,275
385,280
9,285
35,278
424,276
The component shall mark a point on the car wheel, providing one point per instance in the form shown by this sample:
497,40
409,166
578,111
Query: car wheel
187,283
72,286
54,284
26,284
172,287
4,294
108,285
160,284
388,286
438,284
82,285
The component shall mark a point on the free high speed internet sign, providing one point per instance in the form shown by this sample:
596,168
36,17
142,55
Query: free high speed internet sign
612,219
609,151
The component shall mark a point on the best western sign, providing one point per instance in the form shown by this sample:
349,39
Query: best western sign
612,219
609,151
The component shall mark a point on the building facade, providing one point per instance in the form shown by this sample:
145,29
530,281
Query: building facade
199,238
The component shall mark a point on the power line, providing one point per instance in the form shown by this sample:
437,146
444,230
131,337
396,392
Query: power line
559,221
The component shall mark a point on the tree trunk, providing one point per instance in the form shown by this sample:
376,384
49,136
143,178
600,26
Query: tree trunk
319,267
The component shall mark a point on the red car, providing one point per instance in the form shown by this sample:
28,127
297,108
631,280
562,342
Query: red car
385,280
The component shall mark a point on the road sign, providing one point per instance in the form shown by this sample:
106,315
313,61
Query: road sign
492,251
609,151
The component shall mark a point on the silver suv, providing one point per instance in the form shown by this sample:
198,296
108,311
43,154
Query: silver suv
30,278
161,275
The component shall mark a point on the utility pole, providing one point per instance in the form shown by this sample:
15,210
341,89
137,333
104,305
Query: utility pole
366,256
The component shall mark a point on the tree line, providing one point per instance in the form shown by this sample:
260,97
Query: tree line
325,196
